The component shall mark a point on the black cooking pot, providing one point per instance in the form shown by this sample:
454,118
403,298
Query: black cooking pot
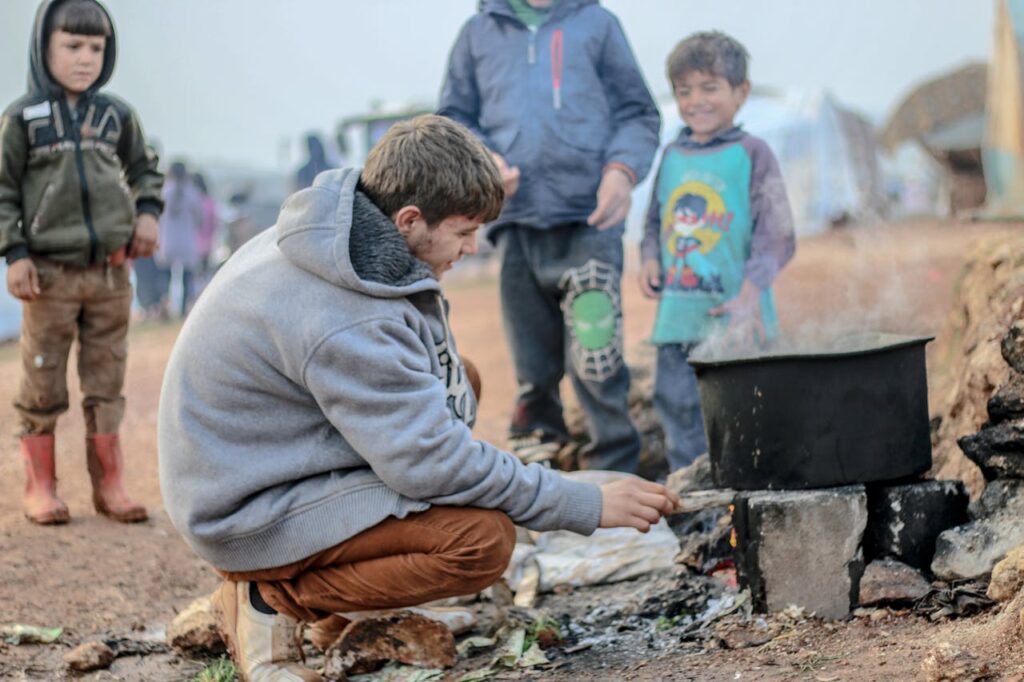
813,420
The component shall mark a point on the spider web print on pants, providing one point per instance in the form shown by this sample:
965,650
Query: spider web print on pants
593,313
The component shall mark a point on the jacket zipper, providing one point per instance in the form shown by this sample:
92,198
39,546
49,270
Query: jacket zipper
557,54
531,49
44,202
76,137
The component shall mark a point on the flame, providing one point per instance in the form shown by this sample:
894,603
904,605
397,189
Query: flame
732,538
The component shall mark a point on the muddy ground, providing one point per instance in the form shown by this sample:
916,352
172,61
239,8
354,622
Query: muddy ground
99,580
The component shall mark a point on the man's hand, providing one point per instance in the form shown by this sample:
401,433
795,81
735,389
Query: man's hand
650,279
613,199
23,280
635,503
509,176
746,330
145,238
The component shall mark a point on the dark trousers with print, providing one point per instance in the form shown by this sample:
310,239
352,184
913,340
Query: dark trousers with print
92,304
562,312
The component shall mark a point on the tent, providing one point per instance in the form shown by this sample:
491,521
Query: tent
828,154
945,116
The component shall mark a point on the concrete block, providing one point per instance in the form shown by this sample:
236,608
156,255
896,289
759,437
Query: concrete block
802,548
905,520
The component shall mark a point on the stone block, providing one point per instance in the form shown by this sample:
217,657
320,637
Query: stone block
194,630
1008,400
998,449
89,657
999,495
904,520
802,548
1012,346
1007,576
888,581
972,550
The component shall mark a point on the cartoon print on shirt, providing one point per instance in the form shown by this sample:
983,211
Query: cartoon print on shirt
695,219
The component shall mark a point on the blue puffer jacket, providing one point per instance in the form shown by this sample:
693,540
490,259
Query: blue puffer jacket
560,102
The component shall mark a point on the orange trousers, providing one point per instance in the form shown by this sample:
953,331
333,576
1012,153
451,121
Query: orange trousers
439,553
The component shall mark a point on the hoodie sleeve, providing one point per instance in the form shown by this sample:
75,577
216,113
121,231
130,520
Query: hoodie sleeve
773,242
140,167
635,117
460,95
374,384
13,157
650,243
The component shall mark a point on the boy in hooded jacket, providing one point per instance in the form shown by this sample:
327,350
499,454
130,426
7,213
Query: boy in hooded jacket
554,92
79,193
319,453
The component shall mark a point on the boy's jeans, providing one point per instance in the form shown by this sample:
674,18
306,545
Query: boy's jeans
94,304
442,552
677,405
562,310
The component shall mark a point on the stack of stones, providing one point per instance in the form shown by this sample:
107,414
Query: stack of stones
833,549
997,517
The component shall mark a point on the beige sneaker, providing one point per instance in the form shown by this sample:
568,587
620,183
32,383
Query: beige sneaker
264,648
535,446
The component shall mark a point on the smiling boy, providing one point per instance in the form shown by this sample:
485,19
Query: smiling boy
719,229
79,191
315,417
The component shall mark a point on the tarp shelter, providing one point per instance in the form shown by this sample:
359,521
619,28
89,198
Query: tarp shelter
828,155
1003,149
946,116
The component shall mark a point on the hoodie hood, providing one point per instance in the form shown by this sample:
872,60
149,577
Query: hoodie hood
560,9
39,78
334,231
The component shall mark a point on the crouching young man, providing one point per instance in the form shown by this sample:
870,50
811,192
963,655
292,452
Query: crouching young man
315,417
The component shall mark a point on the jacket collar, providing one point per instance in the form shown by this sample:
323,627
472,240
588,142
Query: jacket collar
730,135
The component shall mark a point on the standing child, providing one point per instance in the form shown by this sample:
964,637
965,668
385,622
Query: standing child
553,91
79,191
180,229
719,229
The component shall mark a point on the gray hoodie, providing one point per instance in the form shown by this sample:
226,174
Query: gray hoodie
315,391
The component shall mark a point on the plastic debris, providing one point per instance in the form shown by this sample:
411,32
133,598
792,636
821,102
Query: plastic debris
29,634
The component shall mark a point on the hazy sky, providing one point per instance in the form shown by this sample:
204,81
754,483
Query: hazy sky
238,80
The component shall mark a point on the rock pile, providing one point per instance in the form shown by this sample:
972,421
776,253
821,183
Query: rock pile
971,550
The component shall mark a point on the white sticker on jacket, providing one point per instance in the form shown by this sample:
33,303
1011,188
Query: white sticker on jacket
41,110
461,401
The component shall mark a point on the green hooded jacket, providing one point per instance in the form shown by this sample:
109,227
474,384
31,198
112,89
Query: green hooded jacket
71,180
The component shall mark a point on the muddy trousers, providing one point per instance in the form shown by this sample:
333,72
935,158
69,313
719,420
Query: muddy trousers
562,311
93,304
442,552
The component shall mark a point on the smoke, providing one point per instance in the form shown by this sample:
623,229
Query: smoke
848,290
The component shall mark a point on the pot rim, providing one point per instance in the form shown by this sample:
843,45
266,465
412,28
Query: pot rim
883,341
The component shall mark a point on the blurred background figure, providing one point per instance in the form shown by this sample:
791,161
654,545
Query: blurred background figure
180,227
209,231
316,163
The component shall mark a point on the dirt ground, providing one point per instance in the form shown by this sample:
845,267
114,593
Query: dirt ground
98,579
